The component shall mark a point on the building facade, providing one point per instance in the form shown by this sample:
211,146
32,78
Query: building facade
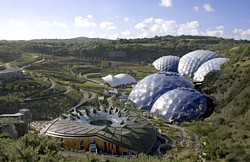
10,75
18,123
111,131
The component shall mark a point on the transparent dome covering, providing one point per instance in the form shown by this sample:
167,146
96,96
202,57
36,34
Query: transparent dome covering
150,88
207,67
191,61
167,63
181,104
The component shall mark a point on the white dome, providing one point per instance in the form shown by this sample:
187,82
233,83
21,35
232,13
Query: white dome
119,79
167,63
207,67
191,61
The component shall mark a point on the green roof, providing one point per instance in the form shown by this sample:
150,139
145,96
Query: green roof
128,129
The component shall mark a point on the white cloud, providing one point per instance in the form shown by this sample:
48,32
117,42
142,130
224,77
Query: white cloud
34,31
16,23
43,23
159,21
219,27
190,28
115,36
126,19
55,23
242,34
164,27
155,28
107,25
208,7
196,8
83,22
125,33
9,34
108,36
166,3
89,16
148,20
169,27
219,32
143,35
60,24
141,26
152,27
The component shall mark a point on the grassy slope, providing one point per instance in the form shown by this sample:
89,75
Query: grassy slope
229,139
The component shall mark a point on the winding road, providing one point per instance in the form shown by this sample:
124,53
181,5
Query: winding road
87,96
36,62
90,80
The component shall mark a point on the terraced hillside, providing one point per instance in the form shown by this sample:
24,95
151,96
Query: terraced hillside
224,136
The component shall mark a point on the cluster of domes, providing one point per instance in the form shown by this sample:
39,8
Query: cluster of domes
169,92
194,65
149,89
190,62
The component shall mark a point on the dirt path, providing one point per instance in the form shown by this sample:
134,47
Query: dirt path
86,97
36,62
90,80
8,66
185,133
52,86
68,89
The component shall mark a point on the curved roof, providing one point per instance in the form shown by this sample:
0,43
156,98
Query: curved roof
126,129
125,77
119,79
191,61
207,67
147,90
167,63
180,104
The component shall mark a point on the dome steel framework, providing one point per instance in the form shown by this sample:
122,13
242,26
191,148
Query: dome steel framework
150,88
181,104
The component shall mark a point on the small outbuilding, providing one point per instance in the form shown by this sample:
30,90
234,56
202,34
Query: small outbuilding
10,74
16,124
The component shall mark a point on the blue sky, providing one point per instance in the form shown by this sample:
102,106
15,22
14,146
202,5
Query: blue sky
112,19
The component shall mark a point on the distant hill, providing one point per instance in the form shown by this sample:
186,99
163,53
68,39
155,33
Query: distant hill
139,50
72,40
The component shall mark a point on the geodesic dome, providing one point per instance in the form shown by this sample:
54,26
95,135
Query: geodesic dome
207,67
181,104
191,61
150,88
167,63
